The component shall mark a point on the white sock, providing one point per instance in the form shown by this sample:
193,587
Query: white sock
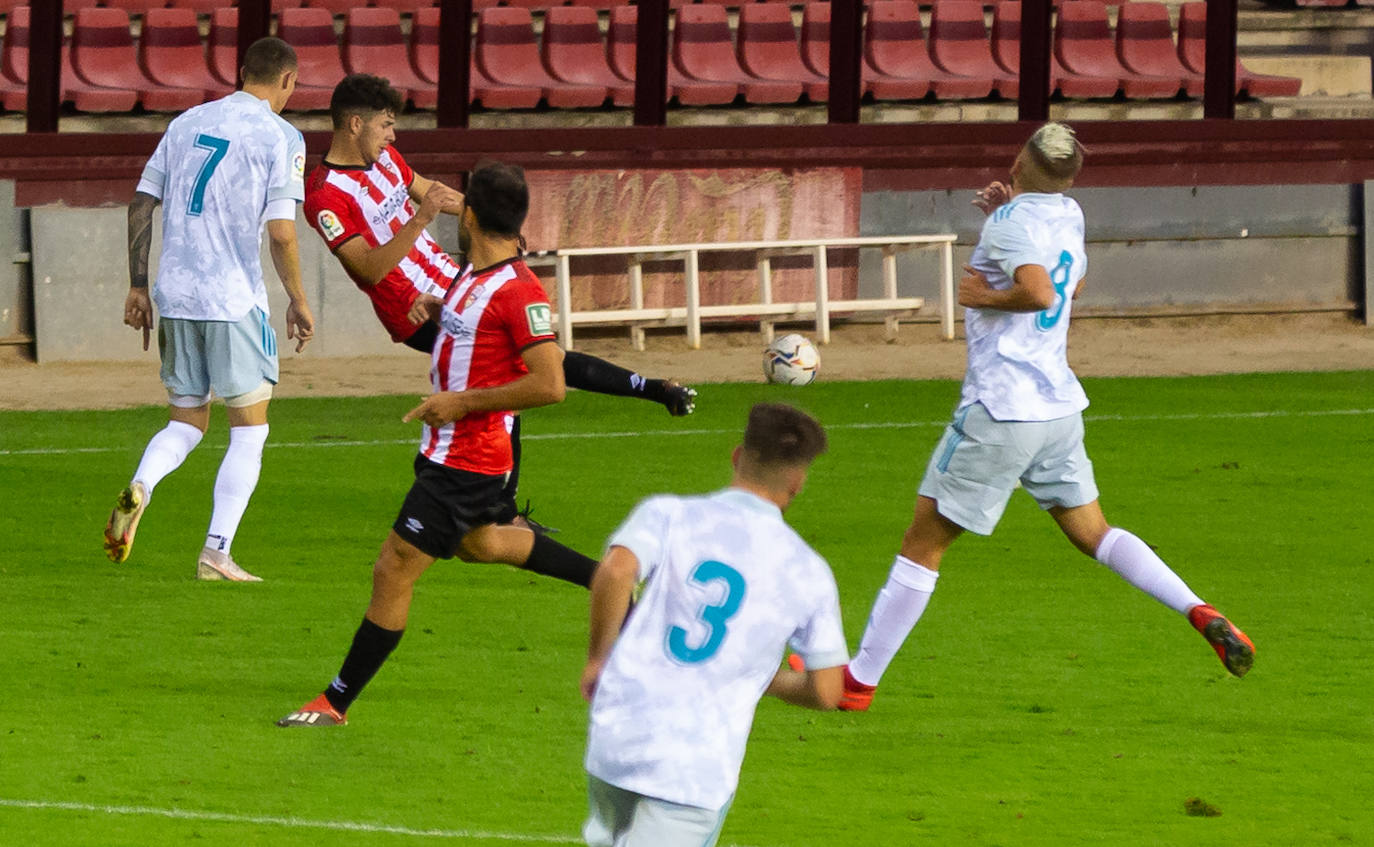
165,453
1136,563
238,476
895,612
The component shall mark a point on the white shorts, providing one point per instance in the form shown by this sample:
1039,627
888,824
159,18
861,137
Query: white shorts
230,359
979,461
620,818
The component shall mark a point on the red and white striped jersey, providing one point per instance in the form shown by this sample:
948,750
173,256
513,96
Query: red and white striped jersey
489,317
344,202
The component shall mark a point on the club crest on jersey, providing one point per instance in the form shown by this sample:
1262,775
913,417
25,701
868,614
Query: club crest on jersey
540,317
329,225
473,294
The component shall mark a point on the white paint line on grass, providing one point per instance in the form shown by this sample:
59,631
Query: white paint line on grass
677,433
290,823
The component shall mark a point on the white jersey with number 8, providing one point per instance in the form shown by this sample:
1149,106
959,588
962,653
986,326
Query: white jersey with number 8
729,586
1018,364
222,170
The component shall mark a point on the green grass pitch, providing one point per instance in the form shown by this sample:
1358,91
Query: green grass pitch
1040,702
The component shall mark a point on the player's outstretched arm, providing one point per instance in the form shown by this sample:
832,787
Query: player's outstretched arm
812,689
371,264
612,584
420,186
542,386
286,258
138,306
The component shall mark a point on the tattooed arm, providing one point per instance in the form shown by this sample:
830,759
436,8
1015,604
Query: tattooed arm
138,306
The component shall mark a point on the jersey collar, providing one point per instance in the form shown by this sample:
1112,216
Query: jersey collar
748,500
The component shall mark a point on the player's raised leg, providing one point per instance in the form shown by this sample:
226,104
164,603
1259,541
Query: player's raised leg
592,374
1134,561
165,453
901,602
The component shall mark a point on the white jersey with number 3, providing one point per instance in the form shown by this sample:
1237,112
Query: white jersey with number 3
1018,365
729,585
221,171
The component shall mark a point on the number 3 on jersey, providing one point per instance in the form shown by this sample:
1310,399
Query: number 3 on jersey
217,148
714,616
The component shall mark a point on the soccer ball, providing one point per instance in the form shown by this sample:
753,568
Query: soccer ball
791,360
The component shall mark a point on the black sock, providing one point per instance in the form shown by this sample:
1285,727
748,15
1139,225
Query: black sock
592,374
550,558
371,646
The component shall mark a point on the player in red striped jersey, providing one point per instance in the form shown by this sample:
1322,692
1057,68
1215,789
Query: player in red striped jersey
362,201
494,353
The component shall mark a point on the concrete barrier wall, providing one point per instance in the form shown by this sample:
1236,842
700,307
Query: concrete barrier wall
1148,248
1239,247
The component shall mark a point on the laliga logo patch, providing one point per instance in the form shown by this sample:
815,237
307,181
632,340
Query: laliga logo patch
298,165
329,225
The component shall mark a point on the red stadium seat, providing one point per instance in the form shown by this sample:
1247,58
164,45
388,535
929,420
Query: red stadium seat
224,45
406,7
424,55
373,43
311,33
102,54
133,7
171,52
1083,44
1006,48
280,5
203,7
573,52
621,48
506,52
959,44
895,46
335,7
768,48
703,49
83,96
1192,49
815,43
1145,44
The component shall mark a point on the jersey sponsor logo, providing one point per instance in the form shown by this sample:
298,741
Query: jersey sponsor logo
329,225
540,317
390,208
298,165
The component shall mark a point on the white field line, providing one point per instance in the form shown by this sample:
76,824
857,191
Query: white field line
291,822
676,433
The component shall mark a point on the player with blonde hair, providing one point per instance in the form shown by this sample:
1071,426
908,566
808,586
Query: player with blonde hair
1019,418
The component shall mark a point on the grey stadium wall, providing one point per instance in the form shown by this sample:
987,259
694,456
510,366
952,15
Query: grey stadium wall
1183,215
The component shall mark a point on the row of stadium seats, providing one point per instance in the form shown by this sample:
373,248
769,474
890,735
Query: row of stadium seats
103,70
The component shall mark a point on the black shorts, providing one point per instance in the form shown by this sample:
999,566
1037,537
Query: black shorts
446,504
423,338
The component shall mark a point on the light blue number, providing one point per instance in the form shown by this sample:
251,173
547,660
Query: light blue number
714,616
1060,278
218,147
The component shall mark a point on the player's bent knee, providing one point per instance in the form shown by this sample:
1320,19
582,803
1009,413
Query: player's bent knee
250,398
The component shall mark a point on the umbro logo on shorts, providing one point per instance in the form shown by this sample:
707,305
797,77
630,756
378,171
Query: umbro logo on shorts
414,525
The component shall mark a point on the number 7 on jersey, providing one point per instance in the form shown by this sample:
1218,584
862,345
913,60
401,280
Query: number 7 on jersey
218,148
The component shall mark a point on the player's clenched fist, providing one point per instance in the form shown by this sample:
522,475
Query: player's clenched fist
439,409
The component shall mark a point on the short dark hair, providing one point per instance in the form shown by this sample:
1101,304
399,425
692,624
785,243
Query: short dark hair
267,59
498,196
782,435
363,94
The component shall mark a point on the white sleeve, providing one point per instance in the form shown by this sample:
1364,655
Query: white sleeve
644,532
288,172
282,209
1009,245
820,638
154,177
